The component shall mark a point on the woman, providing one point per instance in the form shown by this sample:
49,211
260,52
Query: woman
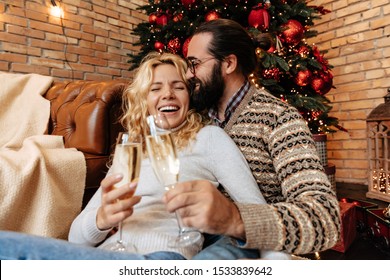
205,153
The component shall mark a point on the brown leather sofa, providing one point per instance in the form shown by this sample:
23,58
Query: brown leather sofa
86,114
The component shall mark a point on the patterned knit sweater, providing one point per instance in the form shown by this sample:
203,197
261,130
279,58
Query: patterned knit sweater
302,214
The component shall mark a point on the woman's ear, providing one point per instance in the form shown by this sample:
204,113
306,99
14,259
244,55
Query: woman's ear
231,63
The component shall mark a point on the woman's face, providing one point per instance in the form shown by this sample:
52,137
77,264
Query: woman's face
168,95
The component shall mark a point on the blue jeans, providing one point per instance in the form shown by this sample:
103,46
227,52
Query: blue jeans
19,246
218,247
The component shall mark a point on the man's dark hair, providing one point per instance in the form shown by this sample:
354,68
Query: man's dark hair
229,37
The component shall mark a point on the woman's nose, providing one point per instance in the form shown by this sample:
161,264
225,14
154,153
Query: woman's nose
168,93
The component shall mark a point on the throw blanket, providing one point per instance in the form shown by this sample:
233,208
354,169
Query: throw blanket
41,182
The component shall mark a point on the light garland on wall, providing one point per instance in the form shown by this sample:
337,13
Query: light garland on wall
56,10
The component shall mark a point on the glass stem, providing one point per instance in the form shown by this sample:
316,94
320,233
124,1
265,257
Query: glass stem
179,222
120,233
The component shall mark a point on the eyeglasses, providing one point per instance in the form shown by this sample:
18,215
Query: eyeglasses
193,63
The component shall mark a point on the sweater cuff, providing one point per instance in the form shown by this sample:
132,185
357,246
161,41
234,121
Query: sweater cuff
260,223
93,234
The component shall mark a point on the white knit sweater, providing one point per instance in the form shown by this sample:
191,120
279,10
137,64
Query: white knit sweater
213,156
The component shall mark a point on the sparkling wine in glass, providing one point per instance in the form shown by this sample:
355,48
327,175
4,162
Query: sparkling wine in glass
163,157
127,160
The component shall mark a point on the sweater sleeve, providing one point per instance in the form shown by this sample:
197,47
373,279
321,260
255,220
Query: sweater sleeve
307,219
84,229
230,168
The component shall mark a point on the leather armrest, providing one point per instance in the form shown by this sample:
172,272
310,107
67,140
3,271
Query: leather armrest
86,114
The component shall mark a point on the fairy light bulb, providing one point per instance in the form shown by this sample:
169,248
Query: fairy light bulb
56,11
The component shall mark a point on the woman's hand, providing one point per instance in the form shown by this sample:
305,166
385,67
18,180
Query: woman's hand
117,203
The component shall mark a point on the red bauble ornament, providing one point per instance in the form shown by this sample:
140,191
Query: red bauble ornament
185,46
303,51
303,78
272,73
322,83
188,3
174,45
178,17
259,18
158,46
292,32
212,15
271,49
152,18
162,19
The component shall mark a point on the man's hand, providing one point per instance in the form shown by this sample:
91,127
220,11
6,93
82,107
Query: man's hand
117,203
202,206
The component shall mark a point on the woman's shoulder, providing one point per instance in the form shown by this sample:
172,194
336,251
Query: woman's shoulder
213,133
210,130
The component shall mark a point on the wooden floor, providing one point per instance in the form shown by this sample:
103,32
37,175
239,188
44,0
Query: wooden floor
363,248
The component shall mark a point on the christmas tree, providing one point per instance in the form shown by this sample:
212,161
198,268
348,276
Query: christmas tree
289,67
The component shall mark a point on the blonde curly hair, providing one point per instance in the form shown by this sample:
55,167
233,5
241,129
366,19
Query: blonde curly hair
135,106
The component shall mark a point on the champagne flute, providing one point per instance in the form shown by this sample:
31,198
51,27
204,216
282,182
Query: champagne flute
127,160
163,157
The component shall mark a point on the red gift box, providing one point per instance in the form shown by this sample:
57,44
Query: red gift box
361,212
348,226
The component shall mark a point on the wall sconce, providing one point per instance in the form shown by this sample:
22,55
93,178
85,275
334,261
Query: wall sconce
56,10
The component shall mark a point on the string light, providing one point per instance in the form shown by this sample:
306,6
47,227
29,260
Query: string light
56,10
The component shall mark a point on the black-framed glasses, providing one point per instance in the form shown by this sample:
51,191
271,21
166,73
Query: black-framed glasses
193,62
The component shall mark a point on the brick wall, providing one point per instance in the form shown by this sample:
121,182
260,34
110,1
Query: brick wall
357,36
90,42
93,40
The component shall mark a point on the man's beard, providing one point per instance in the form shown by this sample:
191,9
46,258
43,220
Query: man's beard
209,92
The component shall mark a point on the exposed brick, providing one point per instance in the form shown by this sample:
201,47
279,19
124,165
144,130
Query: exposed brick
80,35
92,60
82,67
37,16
14,29
63,56
66,74
50,63
45,27
109,71
380,22
78,50
30,68
95,36
12,57
97,77
18,3
108,56
46,44
96,31
60,38
4,66
6,18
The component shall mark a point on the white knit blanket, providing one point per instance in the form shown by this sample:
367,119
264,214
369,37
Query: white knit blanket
41,182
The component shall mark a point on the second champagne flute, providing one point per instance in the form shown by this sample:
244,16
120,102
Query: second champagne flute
163,157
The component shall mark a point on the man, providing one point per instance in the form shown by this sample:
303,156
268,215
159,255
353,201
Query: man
302,214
